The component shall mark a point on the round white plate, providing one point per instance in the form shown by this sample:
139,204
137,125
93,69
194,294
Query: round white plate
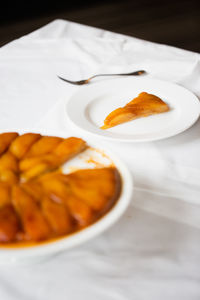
88,108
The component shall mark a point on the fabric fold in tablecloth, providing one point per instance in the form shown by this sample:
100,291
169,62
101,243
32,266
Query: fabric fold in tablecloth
153,251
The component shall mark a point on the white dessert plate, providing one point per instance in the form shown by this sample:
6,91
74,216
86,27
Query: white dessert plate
89,106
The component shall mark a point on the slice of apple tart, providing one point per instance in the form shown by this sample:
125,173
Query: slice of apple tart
142,106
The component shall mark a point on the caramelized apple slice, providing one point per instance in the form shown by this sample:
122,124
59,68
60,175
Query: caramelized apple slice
30,162
61,192
9,224
8,168
6,139
53,186
33,221
96,187
8,162
57,216
9,177
22,144
142,106
80,211
36,171
44,146
119,116
35,166
69,148
5,194
34,189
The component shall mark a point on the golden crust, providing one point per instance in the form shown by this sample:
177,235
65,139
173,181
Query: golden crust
6,139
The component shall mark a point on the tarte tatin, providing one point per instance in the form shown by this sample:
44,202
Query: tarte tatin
142,106
37,201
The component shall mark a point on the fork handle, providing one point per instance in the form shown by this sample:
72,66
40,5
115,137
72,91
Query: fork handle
121,74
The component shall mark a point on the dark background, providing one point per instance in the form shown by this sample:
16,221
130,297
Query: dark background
175,23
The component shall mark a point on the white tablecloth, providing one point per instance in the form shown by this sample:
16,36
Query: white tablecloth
153,251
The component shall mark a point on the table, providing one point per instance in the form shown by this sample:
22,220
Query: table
153,251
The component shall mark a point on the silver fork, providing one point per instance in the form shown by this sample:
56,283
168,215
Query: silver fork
85,81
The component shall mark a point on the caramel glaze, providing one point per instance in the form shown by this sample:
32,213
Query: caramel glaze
47,205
